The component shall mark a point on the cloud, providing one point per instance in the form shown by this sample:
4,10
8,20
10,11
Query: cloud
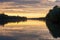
18,3
5,0
58,0
27,5
21,1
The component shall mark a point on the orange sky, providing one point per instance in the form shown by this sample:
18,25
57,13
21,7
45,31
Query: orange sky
27,8
30,14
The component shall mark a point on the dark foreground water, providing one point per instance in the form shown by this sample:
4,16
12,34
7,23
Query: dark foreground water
28,30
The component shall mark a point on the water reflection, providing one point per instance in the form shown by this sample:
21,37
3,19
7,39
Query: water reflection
54,28
5,22
27,30
6,38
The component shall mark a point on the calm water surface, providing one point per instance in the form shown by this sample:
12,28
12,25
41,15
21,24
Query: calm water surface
28,30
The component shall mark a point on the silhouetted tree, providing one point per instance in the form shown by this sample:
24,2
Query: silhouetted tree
5,19
54,14
53,21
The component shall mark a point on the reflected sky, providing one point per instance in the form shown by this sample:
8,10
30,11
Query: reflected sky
29,30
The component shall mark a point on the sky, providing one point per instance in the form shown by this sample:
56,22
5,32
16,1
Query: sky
28,8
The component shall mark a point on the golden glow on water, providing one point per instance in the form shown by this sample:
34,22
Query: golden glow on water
28,22
26,25
26,29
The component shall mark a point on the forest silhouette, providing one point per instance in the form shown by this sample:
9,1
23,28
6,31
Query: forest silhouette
6,19
53,21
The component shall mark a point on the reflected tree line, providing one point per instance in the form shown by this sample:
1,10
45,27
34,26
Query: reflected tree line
52,20
6,19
